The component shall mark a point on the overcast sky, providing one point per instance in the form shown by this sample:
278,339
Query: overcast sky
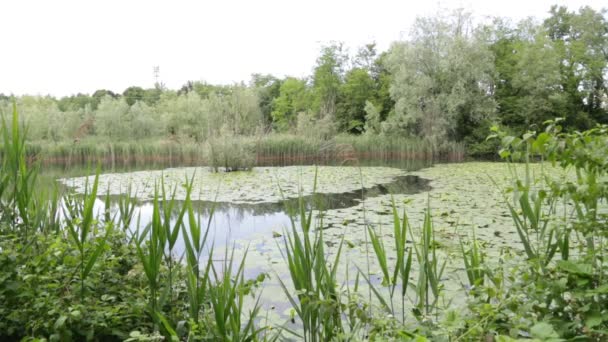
63,47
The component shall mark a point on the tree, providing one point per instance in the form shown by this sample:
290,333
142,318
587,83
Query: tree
204,89
372,119
581,40
184,116
293,98
527,79
144,121
76,102
327,78
112,119
268,88
358,88
237,113
186,88
134,94
101,93
383,79
366,56
442,80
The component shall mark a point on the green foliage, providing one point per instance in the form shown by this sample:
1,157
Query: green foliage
372,118
81,224
133,95
441,80
315,295
558,293
358,88
527,75
268,88
400,277
41,299
580,41
81,279
327,77
230,153
292,100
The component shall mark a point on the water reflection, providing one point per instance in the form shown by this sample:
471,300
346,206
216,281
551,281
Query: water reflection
232,221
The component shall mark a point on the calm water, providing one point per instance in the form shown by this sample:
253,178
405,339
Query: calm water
243,221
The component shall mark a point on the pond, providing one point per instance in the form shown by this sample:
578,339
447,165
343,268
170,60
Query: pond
254,203
250,213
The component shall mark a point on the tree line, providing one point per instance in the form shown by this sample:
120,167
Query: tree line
450,80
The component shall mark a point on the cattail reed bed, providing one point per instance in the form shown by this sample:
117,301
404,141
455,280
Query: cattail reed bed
247,151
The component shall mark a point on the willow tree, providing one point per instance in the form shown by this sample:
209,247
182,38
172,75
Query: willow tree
112,119
442,79
185,116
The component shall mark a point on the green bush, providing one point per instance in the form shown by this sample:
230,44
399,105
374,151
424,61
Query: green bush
228,153
559,292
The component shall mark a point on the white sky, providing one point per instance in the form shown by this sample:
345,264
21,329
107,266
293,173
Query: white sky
62,47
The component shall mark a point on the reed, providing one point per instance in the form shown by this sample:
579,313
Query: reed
399,277
315,296
18,178
227,298
195,238
81,224
150,250
474,262
430,270
243,152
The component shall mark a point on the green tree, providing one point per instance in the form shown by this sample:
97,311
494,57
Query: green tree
327,78
372,119
527,79
204,89
152,95
185,116
358,88
112,119
442,79
134,94
293,98
268,88
581,40
101,93
144,121
76,102
383,79
237,113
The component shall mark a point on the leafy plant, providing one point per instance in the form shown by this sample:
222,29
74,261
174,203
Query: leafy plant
316,299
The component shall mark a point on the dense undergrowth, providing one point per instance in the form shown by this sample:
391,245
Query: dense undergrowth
67,273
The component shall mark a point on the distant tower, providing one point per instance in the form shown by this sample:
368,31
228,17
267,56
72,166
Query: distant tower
156,69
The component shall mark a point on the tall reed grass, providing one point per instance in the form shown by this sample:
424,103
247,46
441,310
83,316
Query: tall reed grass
242,152
315,298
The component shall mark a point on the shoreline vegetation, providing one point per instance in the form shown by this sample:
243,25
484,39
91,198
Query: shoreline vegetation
89,277
270,150
69,272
